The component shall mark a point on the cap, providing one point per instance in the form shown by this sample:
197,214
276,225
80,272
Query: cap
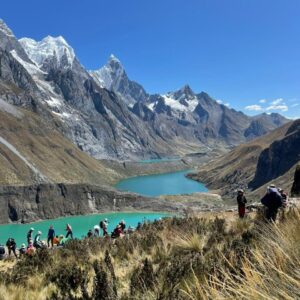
39,232
32,229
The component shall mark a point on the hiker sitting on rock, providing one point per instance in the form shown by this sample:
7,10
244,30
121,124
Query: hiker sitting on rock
37,243
241,200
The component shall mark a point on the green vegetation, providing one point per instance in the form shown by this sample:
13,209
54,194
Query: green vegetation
179,258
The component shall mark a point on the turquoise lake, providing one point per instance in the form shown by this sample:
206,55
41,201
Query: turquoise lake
174,183
80,225
158,160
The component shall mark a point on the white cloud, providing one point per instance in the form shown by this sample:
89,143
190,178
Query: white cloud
227,104
253,107
220,101
282,107
262,101
295,105
277,101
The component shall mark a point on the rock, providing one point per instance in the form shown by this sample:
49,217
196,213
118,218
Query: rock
296,186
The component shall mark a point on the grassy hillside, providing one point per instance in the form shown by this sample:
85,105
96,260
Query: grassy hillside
32,150
237,168
190,258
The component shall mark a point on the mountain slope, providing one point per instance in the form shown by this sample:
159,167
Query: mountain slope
33,151
240,167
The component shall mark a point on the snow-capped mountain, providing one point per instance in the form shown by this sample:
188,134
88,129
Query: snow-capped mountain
108,115
113,77
49,52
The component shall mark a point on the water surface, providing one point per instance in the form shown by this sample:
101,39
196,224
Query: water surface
158,160
174,183
80,225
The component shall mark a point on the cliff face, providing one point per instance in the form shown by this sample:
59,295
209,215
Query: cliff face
296,186
277,159
48,201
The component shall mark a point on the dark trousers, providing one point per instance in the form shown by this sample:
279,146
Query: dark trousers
271,214
69,233
12,250
242,211
50,239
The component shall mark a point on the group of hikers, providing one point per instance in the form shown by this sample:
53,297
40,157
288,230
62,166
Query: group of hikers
274,199
53,240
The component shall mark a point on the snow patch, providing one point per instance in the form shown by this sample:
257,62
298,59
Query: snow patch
47,48
32,69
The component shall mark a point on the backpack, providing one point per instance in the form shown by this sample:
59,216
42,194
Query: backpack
101,225
2,250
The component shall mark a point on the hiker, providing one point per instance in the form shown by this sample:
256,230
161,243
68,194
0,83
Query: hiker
2,252
123,225
37,243
139,226
130,230
51,235
30,249
241,200
97,230
104,225
272,200
29,235
11,246
62,241
22,250
117,232
90,233
56,240
69,231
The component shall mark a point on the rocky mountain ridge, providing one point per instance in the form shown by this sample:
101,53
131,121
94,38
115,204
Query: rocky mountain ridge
107,115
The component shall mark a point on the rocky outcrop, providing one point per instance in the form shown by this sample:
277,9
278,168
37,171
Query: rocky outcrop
296,185
277,159
47,201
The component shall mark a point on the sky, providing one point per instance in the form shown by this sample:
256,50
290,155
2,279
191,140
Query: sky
245,53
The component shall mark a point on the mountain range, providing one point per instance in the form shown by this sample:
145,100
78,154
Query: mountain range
109,116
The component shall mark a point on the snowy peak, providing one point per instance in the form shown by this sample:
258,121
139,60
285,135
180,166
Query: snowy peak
109,75
183,94
51,51
5,29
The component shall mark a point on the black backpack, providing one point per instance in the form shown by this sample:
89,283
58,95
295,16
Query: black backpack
101,225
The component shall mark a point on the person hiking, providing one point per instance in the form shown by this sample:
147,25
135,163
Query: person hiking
22,250
241,200
37,243
51,235
11,246
29,235
123,225
90,233
69,231
272,200
97,230
117,232
104,225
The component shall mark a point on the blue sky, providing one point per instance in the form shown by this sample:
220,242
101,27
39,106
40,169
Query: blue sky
243,52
